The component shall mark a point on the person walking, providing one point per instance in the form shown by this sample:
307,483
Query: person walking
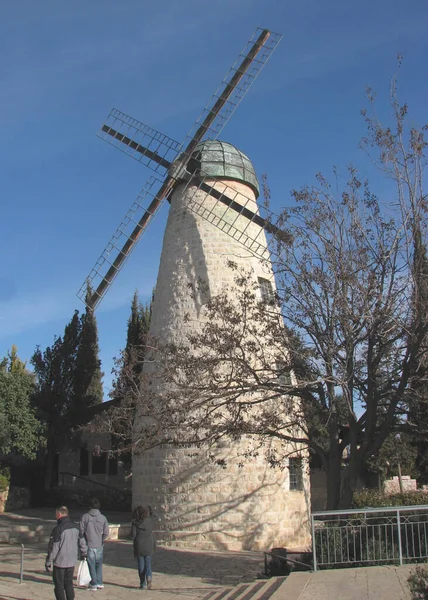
94,528
62,555
144,544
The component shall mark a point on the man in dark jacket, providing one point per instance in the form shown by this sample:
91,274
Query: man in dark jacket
63,549
94,528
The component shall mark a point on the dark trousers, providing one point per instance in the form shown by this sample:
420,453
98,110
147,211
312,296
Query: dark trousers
63,582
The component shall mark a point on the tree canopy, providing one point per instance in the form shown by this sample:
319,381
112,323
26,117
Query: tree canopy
20,431
68,382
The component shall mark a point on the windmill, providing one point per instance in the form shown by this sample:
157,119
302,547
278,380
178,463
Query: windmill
212,189
171,161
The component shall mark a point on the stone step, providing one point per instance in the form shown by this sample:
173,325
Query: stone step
293,585
258,590
19,533
35,531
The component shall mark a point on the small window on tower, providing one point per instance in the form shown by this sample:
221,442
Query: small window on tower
295,467
266,290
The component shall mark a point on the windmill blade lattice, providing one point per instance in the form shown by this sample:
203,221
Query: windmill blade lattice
235,85
232,212
122,242
143,143
210,122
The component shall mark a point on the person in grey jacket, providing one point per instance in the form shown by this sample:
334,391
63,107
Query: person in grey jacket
144,543
94,528
62,555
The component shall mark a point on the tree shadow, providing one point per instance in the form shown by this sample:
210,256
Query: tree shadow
214,568
28,576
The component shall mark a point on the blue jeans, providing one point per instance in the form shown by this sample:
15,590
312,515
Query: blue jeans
144,569
95,564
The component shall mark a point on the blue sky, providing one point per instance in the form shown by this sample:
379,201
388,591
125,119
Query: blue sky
64,65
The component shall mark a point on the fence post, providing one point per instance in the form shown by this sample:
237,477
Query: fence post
21,575
400,548
314,546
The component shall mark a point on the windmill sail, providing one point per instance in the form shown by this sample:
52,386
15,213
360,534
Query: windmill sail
210,122
143,143
122,242
234,86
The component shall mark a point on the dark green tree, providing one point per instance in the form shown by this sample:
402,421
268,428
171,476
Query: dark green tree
118,420
68,376
51,402
88,388
138,329
20,431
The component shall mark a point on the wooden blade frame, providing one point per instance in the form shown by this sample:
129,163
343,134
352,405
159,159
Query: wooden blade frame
210,122
148,146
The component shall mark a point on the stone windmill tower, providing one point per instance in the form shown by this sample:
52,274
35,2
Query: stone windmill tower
212,188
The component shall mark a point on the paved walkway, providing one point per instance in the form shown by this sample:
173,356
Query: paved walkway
364,583
192,575
188,574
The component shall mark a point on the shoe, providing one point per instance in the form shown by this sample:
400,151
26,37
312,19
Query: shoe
149,584
100,587
92,588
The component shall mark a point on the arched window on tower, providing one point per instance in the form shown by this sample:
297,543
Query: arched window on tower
295,467
266,290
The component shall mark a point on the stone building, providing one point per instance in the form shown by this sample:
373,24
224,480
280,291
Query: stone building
199,504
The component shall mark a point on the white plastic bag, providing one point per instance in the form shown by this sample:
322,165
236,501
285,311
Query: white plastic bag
83,576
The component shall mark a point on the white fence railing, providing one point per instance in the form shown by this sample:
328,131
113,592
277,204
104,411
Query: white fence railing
369,536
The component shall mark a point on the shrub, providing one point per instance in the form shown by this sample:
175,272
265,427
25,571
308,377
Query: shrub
4,483
418,583
375,499
4,478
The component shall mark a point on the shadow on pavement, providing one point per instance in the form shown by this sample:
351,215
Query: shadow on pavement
27,576
211,567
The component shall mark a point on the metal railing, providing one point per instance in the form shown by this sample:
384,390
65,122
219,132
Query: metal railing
369,536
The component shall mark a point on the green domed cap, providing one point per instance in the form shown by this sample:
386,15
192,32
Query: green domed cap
220,160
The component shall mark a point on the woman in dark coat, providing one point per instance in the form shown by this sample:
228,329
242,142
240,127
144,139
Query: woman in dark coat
144,544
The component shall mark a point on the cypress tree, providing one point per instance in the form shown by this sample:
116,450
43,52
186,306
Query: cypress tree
88,389
133,332
138,328
127,382
50,401
69,352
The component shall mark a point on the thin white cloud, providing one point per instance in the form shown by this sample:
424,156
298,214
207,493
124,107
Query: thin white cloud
22,314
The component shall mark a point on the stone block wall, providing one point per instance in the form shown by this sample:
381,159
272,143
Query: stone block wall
199,503
202,505
392,486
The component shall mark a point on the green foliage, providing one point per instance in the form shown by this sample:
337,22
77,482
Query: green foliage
375,499
20,429
69,381
88,389
4,483
338,546
396,450
126,387
418,583
4,478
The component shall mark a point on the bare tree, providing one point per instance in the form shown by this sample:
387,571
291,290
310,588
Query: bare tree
343,344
